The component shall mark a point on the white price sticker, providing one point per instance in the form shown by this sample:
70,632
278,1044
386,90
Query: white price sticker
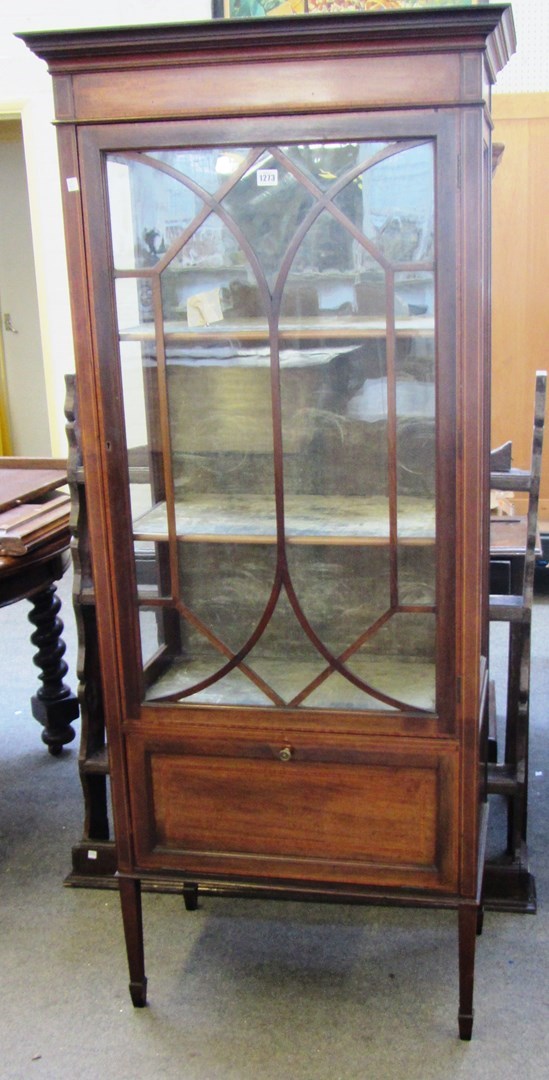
267,177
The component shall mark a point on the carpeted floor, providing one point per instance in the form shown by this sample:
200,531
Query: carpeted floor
245,990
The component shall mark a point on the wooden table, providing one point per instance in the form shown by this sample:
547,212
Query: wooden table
20,483
508,537
32,576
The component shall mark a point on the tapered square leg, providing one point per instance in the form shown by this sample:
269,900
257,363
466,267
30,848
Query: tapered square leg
468,929
130,900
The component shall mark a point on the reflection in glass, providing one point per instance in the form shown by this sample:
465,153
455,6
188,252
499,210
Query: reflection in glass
235,687
269,204
416,431
227,590
140,403
220,415
208,167
392,668
208,283
325,163
342,588
398,204
337,692
147,205
284,658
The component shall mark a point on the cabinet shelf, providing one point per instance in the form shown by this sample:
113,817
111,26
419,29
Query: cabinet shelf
309,519
314,328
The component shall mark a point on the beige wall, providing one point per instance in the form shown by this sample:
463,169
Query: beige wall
520,305
22,345
520,315
26,94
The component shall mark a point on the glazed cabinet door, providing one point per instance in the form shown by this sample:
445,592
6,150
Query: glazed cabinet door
274,317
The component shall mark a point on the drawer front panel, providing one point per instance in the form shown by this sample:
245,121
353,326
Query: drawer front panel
249,817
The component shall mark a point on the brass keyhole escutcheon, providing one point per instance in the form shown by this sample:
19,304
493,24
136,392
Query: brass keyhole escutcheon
286,753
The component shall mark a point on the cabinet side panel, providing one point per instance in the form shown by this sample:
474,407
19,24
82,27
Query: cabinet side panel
88,412
473,513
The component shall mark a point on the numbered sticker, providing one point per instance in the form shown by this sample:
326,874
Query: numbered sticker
267,177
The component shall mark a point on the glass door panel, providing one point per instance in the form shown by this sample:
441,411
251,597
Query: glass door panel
277,344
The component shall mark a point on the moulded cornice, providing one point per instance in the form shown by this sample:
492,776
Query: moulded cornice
488,27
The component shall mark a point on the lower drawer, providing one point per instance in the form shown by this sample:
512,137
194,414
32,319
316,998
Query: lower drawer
386,818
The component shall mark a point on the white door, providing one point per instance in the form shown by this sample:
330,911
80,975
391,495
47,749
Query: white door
23,387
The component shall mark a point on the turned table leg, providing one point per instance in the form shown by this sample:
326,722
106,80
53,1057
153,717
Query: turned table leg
54,706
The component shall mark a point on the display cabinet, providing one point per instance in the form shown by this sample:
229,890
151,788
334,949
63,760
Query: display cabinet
278,253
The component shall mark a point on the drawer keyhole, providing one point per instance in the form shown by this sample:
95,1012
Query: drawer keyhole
286,753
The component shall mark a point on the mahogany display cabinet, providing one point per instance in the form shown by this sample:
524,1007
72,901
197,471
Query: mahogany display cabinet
278,245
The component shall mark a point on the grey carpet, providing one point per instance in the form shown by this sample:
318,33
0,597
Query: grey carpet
245,990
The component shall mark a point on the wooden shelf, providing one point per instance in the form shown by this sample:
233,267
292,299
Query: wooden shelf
309,519
312,328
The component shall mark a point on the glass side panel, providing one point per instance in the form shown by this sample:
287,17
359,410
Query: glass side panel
152,570
139,377
276,323
416,432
